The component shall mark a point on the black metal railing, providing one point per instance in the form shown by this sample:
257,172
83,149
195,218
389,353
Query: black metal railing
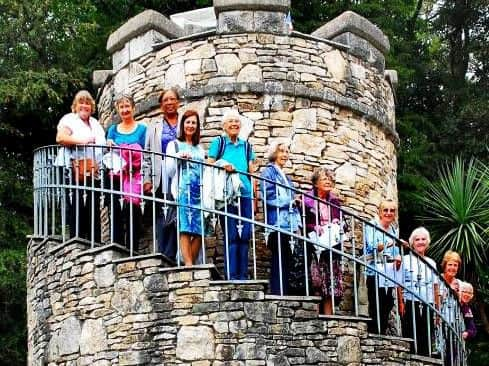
98,193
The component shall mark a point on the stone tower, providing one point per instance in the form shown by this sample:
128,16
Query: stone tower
328,94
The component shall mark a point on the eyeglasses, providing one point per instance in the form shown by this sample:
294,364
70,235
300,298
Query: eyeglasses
388,210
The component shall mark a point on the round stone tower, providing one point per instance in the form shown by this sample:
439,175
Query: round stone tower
327,93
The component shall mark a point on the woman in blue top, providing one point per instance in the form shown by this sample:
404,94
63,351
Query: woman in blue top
280,212
380,248
127,220
237,156
187,176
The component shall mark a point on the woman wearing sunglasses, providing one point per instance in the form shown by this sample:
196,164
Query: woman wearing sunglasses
382,256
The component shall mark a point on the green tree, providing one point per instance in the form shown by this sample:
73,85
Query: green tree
456,209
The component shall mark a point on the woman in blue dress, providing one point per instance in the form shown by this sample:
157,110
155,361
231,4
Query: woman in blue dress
186,184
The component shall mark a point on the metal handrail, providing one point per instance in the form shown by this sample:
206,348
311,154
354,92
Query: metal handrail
58,194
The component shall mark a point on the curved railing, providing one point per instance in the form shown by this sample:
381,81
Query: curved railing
113,207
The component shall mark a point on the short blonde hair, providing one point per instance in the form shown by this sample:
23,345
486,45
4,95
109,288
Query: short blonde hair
450,256
83,96
419,231
124,97
385,203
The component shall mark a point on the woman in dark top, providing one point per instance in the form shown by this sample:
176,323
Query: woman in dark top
466,295
156,177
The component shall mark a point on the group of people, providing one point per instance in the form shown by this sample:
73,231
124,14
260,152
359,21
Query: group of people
173,175
412,279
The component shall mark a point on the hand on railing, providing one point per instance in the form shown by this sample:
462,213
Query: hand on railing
229,168
319,230
147,187
404,243
185,155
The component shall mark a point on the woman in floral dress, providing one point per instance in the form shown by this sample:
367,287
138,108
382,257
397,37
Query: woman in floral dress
186,184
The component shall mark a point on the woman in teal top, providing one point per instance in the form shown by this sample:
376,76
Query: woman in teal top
127,133
237,156
187,177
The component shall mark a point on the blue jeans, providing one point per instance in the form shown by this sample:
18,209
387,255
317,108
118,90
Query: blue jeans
237,243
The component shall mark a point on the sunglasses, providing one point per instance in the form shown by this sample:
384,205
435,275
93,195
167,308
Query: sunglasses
388,210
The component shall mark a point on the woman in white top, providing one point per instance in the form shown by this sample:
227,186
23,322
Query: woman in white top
75,129
422,288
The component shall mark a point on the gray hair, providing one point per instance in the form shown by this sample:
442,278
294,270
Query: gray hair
274,148
419,231
466,285
124,96
316,174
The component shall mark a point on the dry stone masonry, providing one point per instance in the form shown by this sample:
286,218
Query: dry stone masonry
97,307
328,95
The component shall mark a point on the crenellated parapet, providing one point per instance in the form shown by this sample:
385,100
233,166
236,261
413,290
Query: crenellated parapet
363,38
238,16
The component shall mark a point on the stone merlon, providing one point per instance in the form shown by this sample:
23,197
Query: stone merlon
270,5
139,24
99,77
350,22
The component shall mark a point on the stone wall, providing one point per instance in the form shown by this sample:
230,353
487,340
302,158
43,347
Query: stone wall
96,307
327,94
335,109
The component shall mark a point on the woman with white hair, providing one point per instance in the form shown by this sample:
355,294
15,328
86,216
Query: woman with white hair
280,212
422,282
235,155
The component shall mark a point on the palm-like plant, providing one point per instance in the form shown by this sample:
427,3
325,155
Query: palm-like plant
457,211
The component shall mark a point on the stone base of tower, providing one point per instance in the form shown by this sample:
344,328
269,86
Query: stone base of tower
97,307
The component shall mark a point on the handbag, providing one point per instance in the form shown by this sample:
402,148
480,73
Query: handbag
171,216
84,169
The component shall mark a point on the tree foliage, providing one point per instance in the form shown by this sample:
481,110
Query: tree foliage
457,212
